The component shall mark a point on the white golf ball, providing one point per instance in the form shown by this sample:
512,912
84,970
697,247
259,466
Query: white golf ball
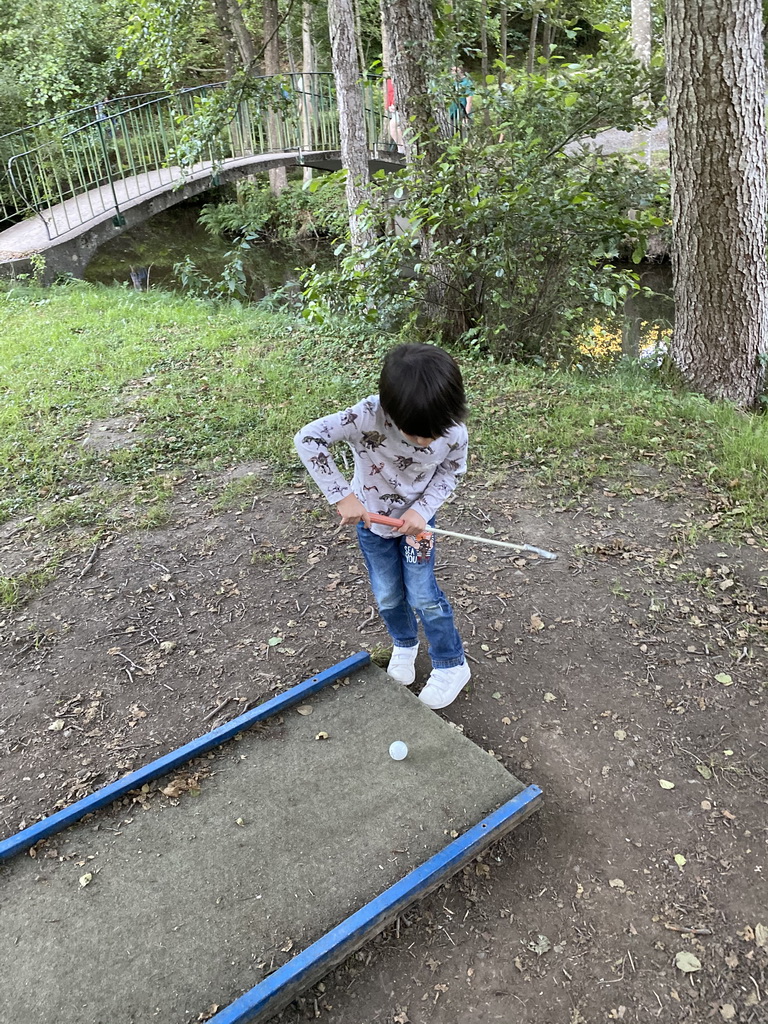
398,750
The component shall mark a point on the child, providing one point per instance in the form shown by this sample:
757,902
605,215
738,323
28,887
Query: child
410,447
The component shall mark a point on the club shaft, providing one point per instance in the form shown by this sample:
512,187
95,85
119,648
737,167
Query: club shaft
390,521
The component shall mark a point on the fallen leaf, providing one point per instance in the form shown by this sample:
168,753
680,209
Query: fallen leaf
549,697
540,946
724,678
665,784
619,734
761,936
537,623
56,726
239,821
687,962
496,696
704,771
617,883
288,946
86,879
305,709
680,860
727,1011
274,641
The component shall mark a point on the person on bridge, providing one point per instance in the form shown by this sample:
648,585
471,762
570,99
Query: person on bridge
460,110
395,124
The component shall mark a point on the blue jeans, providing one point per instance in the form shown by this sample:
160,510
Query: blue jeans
403,586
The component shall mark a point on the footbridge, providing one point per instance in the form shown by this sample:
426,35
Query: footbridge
69,184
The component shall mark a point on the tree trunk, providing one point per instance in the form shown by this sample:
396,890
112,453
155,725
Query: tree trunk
716,88
278,176
532,41
503,31
484,40
228,39
349,98
546,37
308,81
242,36
641,46
411,33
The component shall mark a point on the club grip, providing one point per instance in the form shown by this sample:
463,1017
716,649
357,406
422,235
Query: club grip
386,520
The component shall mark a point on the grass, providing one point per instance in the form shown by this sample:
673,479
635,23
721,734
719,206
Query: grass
215,386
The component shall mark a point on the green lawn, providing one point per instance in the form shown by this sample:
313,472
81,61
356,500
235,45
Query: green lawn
215,385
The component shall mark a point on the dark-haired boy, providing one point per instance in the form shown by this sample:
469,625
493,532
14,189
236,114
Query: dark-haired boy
409,445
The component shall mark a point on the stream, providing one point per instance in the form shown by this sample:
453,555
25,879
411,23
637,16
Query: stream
144,257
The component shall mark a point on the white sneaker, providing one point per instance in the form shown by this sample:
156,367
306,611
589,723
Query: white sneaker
444,686
402,664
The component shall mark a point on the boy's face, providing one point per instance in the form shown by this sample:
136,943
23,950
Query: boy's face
420,442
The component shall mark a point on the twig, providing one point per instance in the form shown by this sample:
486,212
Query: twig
687,931
212,714
90,561
131,663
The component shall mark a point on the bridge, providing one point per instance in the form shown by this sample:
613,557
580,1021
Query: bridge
69,184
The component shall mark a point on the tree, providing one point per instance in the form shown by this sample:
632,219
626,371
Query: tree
410,29
716,88
349,97
278,176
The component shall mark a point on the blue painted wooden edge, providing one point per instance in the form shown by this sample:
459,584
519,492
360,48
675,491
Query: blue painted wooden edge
268,997
56,822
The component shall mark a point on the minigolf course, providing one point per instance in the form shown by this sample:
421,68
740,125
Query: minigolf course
283,841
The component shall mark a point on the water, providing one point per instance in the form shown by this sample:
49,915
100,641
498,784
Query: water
144,256
648,318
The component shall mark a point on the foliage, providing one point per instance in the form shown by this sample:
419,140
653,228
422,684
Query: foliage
295,213
525,220
232,285
57,54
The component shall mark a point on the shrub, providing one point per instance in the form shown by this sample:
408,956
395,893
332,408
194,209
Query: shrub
296,213
514,227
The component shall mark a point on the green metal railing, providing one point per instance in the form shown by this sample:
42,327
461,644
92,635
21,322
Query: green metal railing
73,169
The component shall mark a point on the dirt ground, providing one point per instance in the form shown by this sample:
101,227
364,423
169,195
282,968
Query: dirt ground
627,679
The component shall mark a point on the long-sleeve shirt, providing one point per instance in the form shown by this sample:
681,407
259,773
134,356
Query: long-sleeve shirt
391,473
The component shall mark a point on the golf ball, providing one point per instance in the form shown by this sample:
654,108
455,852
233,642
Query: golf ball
398,750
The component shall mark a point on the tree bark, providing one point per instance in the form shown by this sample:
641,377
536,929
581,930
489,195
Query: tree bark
349,98
641,47
716,89
278,176
411,33
228,39
532,41
308,81
242,36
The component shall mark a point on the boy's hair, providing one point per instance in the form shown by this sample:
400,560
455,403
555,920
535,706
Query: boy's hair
421,390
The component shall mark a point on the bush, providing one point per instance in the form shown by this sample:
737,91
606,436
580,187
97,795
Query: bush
296,213
506,241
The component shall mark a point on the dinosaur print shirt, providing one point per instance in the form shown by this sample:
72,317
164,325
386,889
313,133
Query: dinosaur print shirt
391,474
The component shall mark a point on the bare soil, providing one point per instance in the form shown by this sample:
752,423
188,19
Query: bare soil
627,679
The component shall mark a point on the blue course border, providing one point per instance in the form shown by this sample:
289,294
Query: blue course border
267,998
69,815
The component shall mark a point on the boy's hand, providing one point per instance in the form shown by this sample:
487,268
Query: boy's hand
352,511
413,525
